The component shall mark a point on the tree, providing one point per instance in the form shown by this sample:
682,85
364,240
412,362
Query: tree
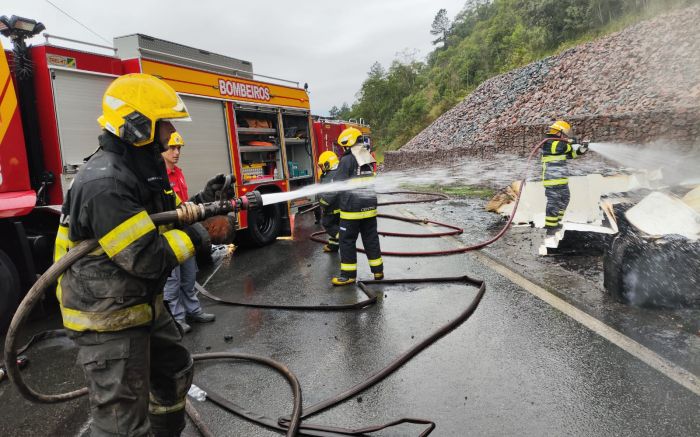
441,26
344,112
333,112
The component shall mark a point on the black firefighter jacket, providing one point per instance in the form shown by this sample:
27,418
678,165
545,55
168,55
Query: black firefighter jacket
329,201
119,285
555,170
361,202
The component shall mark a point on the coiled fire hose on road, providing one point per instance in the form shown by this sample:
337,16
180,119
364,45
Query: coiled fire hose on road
291,425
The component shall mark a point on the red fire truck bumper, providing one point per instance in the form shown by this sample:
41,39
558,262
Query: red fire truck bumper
17,203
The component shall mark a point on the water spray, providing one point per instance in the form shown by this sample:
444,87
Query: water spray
676,164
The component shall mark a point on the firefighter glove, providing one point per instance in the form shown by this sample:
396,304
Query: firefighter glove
213,189
200,237
220,228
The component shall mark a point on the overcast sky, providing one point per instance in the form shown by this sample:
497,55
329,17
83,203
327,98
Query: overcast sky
330,44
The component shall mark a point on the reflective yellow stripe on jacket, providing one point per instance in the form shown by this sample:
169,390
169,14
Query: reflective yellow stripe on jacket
362,179
550,158
180,244
61,246
126,233
107,321
553,182
178,201
359,215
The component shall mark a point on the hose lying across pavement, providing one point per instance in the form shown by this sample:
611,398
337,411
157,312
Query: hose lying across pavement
293,424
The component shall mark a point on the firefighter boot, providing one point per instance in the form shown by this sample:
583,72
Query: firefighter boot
342,280
379,276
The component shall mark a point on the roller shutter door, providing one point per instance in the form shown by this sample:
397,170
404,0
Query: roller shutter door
78,102
206,150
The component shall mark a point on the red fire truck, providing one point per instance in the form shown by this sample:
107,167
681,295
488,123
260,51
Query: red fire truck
327,131
257,127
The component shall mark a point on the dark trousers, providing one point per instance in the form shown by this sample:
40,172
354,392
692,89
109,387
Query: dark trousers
137,379
331,224
558,197
349,230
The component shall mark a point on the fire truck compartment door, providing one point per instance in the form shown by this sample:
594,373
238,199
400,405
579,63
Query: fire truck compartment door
206,150
78,103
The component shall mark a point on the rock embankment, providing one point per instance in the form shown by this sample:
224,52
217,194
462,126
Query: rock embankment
637,85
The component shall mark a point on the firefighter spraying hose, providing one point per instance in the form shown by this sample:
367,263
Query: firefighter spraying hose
189,213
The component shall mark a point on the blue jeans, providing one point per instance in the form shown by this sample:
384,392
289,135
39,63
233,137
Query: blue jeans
179,290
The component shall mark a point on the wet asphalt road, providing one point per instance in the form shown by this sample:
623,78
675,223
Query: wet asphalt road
517,367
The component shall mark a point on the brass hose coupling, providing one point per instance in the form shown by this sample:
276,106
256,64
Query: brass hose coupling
190,212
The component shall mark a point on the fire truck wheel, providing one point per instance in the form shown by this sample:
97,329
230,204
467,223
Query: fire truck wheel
264,225
9,293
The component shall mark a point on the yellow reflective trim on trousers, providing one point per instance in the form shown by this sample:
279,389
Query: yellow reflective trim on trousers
348,267
130,317
154,408
375,262
551,158
553,182
126,233
180,244
350,215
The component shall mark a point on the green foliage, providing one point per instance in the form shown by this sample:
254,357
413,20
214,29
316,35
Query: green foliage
486,38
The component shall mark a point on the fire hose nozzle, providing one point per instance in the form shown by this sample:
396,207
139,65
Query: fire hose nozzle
252,200
188,212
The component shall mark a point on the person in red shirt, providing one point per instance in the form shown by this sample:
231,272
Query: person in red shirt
179,289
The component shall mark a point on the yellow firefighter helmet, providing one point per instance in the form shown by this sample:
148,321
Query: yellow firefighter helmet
349,136
176,140
328,161
133,103
560,126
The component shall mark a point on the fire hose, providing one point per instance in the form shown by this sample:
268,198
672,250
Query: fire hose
189,213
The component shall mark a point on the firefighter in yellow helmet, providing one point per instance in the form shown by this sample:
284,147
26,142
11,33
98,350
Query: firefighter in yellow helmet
358,208
330,219
111,300
560,146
